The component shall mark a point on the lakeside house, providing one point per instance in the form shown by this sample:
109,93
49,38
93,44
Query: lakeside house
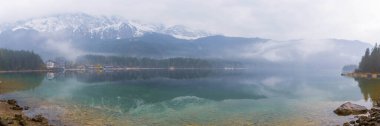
54,65
94,67
60,64
50,64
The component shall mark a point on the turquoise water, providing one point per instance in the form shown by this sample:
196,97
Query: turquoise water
190,97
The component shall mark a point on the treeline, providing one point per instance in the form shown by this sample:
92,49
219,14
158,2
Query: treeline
370,61
143,62
19,60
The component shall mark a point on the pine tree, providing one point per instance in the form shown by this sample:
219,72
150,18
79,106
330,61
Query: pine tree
19,60
371,60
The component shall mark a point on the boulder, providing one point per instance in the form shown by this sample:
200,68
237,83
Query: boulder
348,108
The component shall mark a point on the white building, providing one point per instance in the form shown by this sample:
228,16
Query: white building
50,64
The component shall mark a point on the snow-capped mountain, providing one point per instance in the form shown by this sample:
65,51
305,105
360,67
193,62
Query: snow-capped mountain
101,27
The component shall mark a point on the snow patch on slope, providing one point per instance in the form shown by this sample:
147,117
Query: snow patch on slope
102,27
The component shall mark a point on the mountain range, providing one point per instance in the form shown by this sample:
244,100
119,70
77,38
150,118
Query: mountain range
72,35
99,27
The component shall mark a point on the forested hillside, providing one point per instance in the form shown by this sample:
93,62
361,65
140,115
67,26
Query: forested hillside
144,62
19,60
370,61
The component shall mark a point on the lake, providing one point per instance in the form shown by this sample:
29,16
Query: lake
189,97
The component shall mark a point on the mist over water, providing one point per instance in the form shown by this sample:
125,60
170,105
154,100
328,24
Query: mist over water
254,53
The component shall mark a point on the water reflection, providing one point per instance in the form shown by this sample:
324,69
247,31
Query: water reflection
12,82
101,76
370,88
201,96
129,89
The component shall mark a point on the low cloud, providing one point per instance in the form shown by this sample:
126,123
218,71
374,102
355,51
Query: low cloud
63,48
277,51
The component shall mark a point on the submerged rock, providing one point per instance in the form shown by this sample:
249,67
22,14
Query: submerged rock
3,122
26,108
16,107
9,121
11,114
39,118
352,122
12,102
18,117
348,108
22,123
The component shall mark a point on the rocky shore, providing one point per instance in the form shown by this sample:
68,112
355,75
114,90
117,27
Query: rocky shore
11,115
364,117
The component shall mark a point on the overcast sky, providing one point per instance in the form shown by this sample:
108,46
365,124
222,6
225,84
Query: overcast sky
274,19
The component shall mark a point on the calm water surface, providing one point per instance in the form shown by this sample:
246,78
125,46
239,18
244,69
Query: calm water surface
189,97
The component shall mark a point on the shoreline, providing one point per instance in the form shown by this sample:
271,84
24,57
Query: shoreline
119,69
23,71
362,75
11,114
362,116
